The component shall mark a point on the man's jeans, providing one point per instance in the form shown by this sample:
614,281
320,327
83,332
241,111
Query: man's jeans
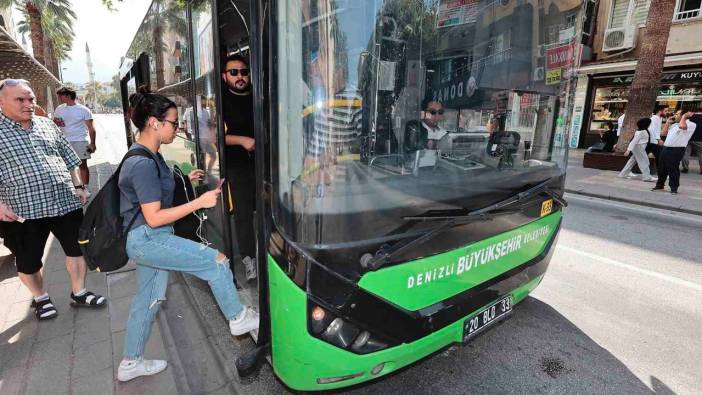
158,251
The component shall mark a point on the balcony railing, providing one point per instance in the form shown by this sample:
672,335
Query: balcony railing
686,15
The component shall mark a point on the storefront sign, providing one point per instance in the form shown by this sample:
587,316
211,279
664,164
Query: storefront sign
684,76
553,77
457,12
456,92
560,56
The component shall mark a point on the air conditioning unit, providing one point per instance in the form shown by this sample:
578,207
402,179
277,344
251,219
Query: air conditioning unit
619,39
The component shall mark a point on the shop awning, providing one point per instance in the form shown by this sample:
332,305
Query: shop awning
630,65
15,62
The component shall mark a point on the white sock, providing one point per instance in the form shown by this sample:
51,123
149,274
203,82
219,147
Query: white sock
80,293
41,297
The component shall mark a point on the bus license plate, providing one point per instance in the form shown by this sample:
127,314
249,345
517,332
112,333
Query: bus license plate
486,317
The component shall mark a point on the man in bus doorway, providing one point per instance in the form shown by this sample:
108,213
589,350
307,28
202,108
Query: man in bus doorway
76,123
237,102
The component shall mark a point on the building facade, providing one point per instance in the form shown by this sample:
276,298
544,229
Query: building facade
607,71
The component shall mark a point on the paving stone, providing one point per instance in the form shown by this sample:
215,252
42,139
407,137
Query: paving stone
119,312
14,355
91,359
89,332
19,311
122,285
18,331
99,383
59,277
12,382
50,366
63,324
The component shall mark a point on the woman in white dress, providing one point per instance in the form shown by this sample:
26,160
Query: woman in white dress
637,149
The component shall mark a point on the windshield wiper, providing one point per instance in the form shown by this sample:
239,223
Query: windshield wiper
385,253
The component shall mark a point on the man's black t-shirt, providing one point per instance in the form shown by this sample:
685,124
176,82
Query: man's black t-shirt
238,116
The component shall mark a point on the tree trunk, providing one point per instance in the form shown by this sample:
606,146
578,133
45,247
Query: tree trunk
649,68
37,33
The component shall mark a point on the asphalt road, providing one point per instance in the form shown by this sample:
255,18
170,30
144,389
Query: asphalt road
618,312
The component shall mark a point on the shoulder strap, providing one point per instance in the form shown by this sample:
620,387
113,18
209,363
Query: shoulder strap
146,154
143,153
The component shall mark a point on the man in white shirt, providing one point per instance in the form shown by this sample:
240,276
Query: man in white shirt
673,151
655,131
76,123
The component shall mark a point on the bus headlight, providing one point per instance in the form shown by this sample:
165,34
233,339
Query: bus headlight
332,329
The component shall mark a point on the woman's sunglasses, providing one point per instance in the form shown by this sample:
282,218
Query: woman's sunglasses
235,72
434,112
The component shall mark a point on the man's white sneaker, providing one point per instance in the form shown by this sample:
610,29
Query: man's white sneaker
250,265
141,367
245,322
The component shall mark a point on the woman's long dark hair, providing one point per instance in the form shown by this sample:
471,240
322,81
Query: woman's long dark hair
144,105
643,124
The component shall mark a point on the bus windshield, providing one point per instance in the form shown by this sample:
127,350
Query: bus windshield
392,109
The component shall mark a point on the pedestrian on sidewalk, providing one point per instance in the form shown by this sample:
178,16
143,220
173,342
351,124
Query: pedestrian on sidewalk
41,192
694,145
655,130
151,243
637,149
673,151
76,123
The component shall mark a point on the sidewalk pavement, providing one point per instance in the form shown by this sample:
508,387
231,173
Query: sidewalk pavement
607,185
79,351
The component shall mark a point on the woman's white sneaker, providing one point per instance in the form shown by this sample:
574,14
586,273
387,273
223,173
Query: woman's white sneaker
247,321
141,367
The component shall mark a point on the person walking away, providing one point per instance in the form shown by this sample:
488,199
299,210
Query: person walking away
637,149
237,103
147,198
694,145
41,192
76,122
673,151
655,131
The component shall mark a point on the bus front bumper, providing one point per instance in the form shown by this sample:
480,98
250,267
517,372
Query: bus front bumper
304,362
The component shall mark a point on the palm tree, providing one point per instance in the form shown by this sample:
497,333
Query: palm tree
649,68
35,10
58,34
162,16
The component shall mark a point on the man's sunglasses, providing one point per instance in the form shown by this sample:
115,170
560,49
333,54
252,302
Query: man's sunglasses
434,112
12,82
235,72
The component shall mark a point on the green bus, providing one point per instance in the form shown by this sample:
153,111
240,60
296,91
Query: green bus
410,164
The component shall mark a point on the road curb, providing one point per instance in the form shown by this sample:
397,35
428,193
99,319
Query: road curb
633,201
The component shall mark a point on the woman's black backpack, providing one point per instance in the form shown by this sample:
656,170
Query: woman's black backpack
101,237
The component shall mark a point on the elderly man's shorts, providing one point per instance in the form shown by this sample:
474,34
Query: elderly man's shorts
27,240
81,148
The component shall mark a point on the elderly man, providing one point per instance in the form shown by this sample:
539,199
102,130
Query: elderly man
40,192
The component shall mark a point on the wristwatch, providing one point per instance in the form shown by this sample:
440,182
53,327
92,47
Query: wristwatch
79,187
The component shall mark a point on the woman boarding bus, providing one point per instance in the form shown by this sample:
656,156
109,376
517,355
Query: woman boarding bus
375,247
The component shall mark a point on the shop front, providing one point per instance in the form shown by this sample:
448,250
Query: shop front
607,99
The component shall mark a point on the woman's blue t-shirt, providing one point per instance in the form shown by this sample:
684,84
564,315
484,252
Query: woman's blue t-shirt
139,183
